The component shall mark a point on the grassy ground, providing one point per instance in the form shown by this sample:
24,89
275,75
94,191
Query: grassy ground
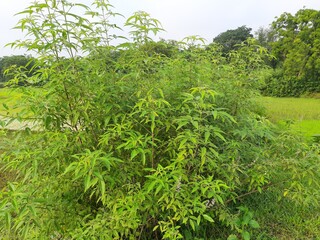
302,113
9,99
283,219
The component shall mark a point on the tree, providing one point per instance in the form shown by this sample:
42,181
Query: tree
265,36
231,38
15,61
297,48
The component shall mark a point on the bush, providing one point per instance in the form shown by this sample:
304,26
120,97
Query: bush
151,147
279,85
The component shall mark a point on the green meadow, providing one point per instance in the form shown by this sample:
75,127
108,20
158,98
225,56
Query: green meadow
302,114
9,101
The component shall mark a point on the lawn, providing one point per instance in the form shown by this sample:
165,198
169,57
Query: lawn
302,113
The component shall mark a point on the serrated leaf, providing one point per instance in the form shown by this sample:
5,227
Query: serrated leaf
102,188
203,155
246,219
8,219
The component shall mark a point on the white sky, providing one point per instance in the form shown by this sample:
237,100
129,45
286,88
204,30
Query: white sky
180,18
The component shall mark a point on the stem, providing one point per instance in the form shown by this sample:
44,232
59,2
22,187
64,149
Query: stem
152,154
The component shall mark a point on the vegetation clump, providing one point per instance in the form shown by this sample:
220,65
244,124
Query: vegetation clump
142,140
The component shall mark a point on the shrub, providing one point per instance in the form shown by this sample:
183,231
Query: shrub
150,146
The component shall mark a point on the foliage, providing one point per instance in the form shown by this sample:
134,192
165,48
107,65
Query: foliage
231,38
264,37
278,85
142,24
297,50
9,63
140,145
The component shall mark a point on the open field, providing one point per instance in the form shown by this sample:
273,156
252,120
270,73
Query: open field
302,113
292,108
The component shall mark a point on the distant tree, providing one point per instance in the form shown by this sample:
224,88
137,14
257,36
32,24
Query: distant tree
265,36
164,47
17,61
230,38
297,47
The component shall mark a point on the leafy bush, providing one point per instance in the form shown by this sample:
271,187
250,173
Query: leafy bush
140,145
278,85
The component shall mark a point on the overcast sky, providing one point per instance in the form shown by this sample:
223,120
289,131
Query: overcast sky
180,18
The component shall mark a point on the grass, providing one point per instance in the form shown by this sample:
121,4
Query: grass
292,108
283,219
302,113
9,99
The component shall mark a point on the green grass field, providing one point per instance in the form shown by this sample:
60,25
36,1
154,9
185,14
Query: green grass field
302,113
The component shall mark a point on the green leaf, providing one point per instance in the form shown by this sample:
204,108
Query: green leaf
158,189
8,219
150,186
87,180
206,136
245,235
208,218
246,219
232,237
191,222
102,189
203,156
134,153
5,106
254,224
